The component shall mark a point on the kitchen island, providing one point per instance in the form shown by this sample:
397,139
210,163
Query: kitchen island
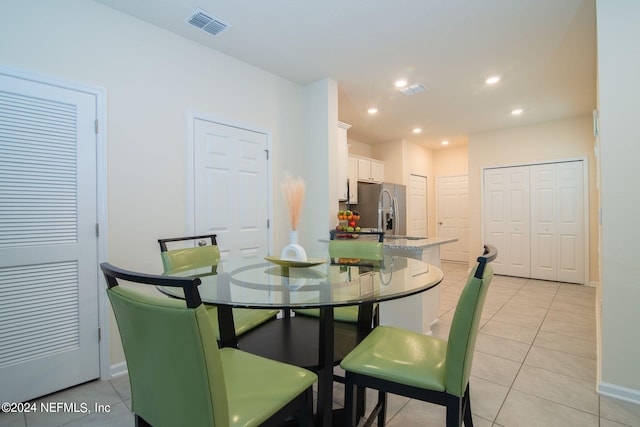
419,312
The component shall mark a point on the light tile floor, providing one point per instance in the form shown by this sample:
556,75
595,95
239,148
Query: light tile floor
534,365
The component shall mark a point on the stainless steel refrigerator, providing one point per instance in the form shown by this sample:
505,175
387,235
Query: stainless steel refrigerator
394,208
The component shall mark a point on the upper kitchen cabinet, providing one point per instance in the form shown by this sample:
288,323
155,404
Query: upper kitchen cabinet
352,175
343,159
370,170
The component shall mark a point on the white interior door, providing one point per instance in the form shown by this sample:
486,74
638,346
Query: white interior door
231,186
48,242
418,225
557,222
453,216
507,219
544,207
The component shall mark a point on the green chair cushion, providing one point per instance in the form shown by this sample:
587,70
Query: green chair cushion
401,356
187,258
257,387
347,314
244,319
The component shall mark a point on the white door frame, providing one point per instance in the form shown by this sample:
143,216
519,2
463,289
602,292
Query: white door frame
195,115
100,95
585,189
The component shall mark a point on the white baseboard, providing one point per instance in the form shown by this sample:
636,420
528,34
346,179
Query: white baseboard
618,392
119,369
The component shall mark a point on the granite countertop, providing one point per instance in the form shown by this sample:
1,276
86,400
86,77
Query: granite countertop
415,243
411,243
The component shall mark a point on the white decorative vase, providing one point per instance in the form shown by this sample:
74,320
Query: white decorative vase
293,251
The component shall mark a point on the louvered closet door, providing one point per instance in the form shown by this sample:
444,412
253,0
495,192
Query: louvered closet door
48,243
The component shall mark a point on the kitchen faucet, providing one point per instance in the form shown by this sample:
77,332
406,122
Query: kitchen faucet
381,207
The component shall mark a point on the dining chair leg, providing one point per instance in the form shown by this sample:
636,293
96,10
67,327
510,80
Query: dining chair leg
382,414
466,405
350,413
361,400
454,411
306,419
141,422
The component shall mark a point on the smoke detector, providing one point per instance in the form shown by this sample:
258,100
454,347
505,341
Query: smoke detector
413,89
207,22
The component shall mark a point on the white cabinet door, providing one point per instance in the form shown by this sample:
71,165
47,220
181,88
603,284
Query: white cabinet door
377,171
343,158
364,170
370,170
352,173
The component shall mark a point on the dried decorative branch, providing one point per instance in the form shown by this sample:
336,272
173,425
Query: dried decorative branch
293,189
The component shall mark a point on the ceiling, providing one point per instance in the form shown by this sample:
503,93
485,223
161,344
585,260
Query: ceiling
544,51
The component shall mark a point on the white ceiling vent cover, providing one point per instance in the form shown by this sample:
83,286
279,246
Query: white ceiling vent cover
413,89
207,22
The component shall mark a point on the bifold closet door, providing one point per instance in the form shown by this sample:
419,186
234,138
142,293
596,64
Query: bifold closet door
557,222
535,216
507,222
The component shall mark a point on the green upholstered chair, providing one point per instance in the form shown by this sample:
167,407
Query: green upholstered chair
179,376
206,254
394,360
361,248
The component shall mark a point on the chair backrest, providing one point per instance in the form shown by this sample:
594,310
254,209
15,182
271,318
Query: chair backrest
202,255
464,326
171,351
354,248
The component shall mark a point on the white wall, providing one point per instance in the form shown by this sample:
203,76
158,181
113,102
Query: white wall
619,92
153,78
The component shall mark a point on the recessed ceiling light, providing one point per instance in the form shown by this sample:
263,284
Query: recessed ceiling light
445,142
492,80
400,83
417,130
517,112
372,110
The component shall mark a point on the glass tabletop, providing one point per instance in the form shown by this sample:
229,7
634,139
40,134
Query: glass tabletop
255,282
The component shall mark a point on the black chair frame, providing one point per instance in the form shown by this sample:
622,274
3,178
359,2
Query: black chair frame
163,242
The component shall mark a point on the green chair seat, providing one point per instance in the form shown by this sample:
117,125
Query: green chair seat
257,386
401,356
347,314
244,319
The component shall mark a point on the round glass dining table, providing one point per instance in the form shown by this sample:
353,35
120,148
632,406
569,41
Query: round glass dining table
323,283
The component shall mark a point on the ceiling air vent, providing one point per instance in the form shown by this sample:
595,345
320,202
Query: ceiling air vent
413,89
207,22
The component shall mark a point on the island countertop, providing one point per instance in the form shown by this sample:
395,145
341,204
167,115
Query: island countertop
415,243
411,243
